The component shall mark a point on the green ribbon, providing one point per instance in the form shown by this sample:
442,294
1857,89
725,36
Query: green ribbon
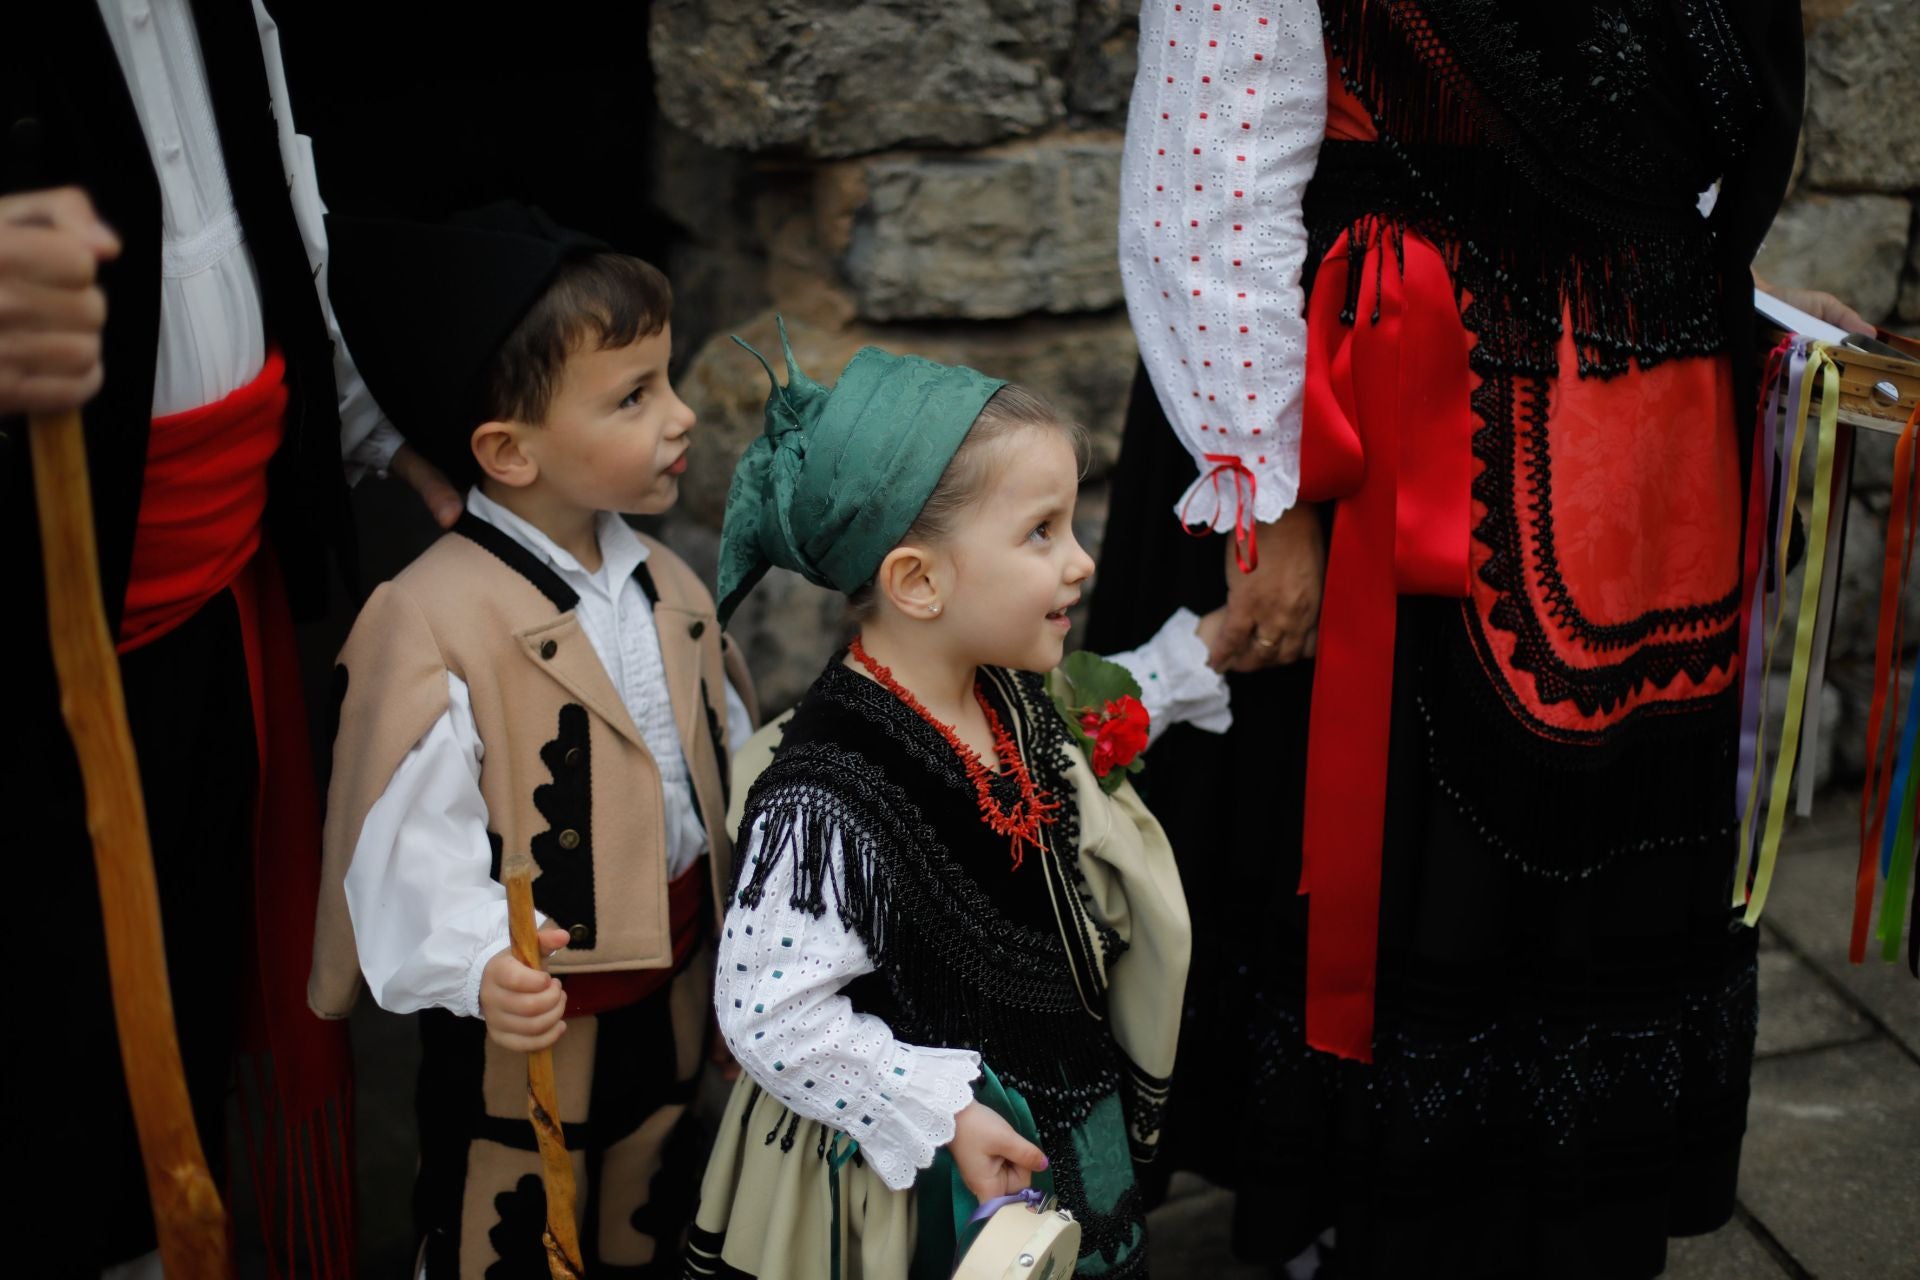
945,1204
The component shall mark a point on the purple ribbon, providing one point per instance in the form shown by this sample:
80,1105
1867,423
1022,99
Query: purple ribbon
1033,1197
1774,445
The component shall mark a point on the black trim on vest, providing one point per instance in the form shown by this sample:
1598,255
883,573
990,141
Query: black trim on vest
644,576
564,889
502,547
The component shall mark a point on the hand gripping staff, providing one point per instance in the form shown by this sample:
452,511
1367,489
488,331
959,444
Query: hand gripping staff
562,1236
187,1212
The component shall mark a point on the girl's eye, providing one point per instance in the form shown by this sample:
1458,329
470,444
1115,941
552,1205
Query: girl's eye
633,398
1042,531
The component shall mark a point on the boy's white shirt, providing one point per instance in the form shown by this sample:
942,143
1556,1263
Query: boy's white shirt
427,913
777,990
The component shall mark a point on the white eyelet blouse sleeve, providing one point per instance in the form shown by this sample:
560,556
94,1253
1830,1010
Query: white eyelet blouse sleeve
777,994
1228,110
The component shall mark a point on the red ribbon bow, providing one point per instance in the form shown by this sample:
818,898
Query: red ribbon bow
1246,548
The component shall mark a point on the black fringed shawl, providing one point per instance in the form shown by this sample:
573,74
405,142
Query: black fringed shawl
1555,153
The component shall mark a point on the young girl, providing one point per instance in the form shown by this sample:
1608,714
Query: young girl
935,895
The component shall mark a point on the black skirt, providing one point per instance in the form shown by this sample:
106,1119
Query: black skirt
1562,1047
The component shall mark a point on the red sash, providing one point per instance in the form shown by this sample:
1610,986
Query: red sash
594,993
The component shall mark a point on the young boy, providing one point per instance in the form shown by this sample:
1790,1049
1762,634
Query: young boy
541,679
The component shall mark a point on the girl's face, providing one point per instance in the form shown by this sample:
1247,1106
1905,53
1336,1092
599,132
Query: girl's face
1014,563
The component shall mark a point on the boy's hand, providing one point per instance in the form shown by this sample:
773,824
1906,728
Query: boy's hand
522,1006
51,307
992,1159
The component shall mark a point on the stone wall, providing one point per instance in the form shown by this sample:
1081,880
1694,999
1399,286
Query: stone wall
960,202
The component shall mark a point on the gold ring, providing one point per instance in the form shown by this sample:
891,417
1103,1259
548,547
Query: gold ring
1262,643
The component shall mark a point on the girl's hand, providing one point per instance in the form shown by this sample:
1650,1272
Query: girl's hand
522,1006
992,1159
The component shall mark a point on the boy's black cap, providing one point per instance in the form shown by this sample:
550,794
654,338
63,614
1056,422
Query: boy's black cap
423,306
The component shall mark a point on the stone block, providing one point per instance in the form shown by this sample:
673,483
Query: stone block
826,78
1029,227
1731,1253
1852,246
1833,1146
1084,366
1863,95
1798,1010
1100,77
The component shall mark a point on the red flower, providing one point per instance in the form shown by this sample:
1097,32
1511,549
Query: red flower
1120,736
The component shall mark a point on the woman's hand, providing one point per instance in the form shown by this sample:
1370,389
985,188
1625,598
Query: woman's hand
1273,613
442,500
1819,305
992,1159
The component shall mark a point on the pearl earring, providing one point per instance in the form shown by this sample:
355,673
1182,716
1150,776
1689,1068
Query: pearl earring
933,608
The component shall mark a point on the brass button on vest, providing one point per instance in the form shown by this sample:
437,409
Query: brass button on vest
569,839
574,756
697,628
549,647
578,933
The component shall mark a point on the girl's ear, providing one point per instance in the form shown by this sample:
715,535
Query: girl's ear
500,451
909,579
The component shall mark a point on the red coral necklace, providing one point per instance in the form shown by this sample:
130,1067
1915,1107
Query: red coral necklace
1020,824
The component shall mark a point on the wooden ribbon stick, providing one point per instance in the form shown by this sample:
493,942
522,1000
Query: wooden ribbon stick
562,1236
186,1205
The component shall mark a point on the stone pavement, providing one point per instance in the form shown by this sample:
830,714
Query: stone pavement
1830,1184
1830,1178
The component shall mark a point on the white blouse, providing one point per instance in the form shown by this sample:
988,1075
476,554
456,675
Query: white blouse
777,990
1224,127
427,913
212,337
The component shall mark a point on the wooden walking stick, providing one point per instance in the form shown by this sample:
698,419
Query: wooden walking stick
186,1206
562,1236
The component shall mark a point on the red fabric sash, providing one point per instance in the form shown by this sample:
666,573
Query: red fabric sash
1388,430
201,504
594,993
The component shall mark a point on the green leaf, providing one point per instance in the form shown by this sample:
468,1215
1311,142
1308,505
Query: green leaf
1095,681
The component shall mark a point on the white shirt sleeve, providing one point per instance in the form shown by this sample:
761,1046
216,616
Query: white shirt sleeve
427,913
367,440
777,994
1224,128
1176,684
739,723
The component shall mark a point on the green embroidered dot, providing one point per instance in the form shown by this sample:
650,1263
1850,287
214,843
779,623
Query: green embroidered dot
899,1071
841,1105
776,973
866,1119
809,1084
786,942
779,1066
759,1008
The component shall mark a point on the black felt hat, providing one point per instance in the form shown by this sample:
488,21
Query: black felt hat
424,306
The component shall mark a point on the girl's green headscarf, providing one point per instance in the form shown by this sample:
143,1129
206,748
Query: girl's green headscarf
840,475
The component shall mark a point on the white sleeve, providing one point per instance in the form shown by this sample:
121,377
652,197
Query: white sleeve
1228,110
777,994
739,723
1176,684
427,913
367,440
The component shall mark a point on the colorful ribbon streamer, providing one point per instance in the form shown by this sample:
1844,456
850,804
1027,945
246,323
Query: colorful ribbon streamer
1786,424
1246,486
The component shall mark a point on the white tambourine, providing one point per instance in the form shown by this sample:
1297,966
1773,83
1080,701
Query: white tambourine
1026,1237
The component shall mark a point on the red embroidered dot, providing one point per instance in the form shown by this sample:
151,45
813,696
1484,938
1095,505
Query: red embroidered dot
1162,151
1172,43
1256,431
1198,187
1203,329
1183,359
1169,79
1249,91
1243,328
1158,187
1163,115
1243,123
1248,364
1263,457
1241,159
1196,293
1156,257
1259,57
1203,115
1165,294
1207,363
1193,222
1236,226
1209,397
1194,258
1206,79
1156,222
1239,295
1213,44
1263,21
1196,395
1216,8
1203,426
1238,194
1252,396
1196,151
1236,261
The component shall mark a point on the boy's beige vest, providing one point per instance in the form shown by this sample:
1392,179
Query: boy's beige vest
565,772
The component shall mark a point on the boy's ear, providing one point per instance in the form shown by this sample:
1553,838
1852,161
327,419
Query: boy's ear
498,449
909,578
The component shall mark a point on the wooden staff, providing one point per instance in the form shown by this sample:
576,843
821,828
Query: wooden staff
186,1206
561,1237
